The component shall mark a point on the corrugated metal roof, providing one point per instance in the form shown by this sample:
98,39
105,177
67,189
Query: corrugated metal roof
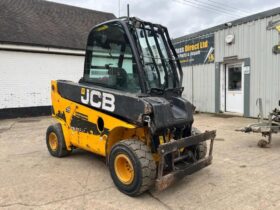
43,23
257,16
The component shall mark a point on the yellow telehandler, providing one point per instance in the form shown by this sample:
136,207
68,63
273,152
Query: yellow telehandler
128,107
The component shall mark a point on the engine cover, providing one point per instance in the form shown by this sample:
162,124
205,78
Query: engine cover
168,113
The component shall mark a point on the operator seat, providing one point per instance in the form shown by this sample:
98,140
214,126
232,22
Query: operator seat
118,77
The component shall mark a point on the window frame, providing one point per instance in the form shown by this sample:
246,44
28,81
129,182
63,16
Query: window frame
87,64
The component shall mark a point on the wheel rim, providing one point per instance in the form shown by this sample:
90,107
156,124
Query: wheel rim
124,169
53,141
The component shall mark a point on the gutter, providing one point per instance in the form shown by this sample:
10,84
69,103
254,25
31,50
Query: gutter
47,50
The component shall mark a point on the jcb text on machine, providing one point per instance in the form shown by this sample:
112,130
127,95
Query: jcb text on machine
128,107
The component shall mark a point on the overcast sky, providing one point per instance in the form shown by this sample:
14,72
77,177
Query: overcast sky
180,16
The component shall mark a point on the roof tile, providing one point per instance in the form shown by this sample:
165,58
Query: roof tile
43,23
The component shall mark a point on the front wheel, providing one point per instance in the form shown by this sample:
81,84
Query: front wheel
132,167
199,150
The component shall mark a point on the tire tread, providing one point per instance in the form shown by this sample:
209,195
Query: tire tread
148,165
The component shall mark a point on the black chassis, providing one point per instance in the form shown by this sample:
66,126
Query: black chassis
162,112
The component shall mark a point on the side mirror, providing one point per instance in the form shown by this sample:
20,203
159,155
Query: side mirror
279,103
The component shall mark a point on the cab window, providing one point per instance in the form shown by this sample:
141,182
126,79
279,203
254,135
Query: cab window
110,61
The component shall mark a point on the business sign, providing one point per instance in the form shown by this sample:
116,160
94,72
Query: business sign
278,28
274,25
195,51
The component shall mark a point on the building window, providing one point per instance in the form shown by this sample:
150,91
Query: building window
235,78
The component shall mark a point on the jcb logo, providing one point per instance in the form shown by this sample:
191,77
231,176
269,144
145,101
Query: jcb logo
97,99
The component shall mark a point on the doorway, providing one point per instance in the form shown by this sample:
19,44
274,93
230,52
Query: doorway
234,88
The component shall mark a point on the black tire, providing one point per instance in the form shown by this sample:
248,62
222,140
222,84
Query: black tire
263,143
143,164
61,150
200,150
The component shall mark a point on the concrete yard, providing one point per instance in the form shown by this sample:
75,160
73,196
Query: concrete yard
242,176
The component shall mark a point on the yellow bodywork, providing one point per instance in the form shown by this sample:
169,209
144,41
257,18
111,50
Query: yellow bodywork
102,143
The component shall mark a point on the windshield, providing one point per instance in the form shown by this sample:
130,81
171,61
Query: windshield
157,64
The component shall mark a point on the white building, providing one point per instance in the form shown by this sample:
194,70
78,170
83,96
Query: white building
228,67
40,41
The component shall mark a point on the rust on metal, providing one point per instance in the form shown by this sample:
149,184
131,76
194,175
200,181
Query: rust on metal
165,180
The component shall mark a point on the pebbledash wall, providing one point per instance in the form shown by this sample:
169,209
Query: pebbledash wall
250,42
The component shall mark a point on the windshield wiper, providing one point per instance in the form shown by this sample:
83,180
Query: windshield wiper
160,52
152,54
161,91
157,90
176,89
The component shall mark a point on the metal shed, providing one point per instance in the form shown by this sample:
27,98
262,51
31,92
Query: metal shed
228,67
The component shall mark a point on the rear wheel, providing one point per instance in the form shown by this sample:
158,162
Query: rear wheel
132,167
55,141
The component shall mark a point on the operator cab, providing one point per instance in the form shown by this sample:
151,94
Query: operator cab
133,56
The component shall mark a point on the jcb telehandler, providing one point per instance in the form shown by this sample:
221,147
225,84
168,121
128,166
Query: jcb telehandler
128,107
